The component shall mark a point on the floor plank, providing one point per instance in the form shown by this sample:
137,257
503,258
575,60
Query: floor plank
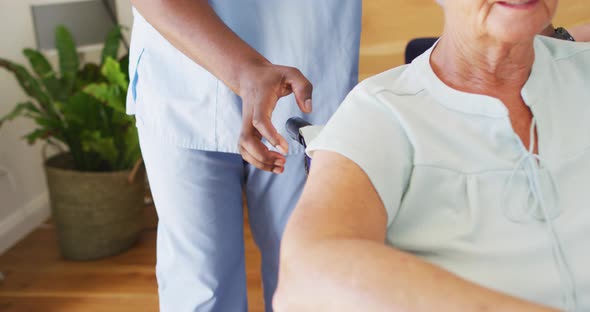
79,304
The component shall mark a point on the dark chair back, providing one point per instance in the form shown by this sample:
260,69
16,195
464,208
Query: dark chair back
418,46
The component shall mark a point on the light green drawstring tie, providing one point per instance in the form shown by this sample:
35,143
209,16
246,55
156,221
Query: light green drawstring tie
530,163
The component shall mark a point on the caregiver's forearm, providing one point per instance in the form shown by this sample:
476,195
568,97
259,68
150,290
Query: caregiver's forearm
355,275
194,28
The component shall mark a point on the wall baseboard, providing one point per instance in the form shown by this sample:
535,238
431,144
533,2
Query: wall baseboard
23,221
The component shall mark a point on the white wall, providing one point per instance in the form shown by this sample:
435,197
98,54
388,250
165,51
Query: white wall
23,191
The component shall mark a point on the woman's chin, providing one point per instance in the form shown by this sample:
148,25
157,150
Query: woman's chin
514,34
520,25
514,39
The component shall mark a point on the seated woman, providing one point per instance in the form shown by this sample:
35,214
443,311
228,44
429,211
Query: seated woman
472,164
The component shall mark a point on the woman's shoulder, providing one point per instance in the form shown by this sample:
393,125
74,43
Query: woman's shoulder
393,90
398,81
563,50
565,65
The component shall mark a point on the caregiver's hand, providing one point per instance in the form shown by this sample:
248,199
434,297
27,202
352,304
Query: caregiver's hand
194,28
261,85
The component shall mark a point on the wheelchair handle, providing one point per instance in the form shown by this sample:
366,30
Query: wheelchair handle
293,125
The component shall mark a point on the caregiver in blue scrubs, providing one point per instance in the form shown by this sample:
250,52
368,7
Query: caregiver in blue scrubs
212,84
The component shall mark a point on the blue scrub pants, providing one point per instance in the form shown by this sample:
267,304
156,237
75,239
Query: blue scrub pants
200,244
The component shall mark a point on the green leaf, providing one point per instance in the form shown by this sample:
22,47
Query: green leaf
93,141
90,73
111,45
49,123
113,92
131,150
124,61
68,57
82,111
22,109
39,63
44,71
37,134
30,85
108,94
98,90
111,70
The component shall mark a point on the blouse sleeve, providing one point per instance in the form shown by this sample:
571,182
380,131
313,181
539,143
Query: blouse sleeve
368,132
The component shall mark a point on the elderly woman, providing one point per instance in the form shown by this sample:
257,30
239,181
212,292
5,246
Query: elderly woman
471,164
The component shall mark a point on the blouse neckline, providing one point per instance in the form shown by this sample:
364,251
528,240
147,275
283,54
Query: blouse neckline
478,104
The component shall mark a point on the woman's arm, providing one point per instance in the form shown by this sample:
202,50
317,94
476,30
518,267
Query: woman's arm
195,29
333,256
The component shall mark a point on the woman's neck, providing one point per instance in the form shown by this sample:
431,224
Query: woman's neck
490,68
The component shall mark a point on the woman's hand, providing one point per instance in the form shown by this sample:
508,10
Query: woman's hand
261,85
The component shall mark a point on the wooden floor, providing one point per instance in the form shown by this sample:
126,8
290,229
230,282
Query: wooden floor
37,280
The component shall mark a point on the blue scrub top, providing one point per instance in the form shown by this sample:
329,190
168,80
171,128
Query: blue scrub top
177,100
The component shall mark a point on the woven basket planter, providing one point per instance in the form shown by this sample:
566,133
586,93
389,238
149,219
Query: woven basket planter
96,214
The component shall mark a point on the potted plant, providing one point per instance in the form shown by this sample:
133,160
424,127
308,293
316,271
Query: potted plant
96,198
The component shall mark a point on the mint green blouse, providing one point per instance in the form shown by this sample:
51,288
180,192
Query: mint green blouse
461,190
